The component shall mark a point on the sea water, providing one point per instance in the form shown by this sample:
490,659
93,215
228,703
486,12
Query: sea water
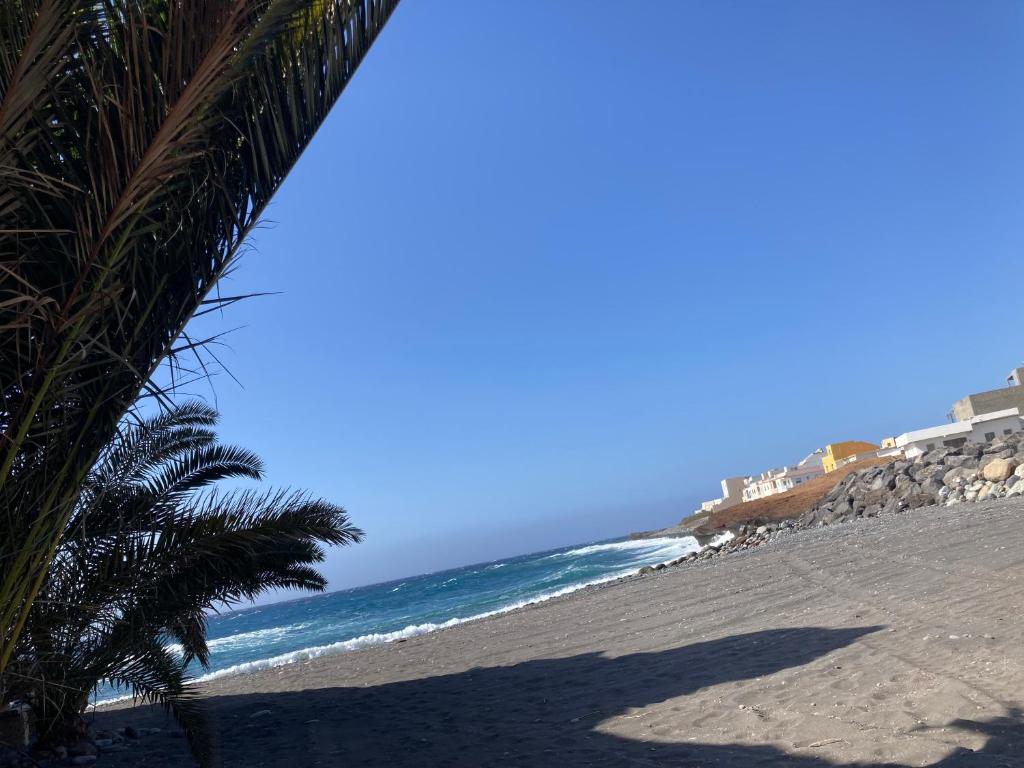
282,633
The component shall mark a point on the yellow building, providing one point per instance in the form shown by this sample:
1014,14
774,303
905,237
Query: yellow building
889,442
836,452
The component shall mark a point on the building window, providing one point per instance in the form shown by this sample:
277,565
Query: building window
990,436
930,447
1007,431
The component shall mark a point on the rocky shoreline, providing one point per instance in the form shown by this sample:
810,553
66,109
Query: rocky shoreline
971,472
946,476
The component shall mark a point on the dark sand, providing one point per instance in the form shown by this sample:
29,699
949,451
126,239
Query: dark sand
897,641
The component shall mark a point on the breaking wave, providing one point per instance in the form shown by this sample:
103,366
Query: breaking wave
295,632
637,545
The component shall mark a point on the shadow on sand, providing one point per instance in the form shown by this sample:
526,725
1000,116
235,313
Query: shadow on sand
543,712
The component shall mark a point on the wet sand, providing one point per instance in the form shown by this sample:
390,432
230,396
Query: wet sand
897,641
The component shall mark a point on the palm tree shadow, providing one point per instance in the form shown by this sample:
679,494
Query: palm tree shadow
535,713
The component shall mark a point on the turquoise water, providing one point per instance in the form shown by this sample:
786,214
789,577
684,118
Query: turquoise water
284,633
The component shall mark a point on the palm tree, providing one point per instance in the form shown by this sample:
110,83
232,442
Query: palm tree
148,552
140,141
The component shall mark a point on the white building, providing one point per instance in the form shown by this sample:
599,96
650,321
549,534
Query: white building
891,450
784,479
732,494
980,429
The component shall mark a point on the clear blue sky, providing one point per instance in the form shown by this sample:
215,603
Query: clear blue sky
554,267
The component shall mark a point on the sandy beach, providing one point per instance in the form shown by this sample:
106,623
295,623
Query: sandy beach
894,641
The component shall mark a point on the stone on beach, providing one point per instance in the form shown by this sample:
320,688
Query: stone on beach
998,470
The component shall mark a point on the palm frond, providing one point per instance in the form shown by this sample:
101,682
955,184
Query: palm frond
189,472
152,674
139,145
145,559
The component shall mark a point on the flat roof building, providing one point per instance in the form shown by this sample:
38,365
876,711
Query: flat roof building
980,429
784,479
732,494
1010,396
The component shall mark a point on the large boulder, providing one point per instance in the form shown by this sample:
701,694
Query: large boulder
873,497
902,481
869,474
985,460
883,481
937,456
841,511
1017,489
961,461
891,506
996,446
920,499
972,449
815,516
998,470
958,476
905,490
932,472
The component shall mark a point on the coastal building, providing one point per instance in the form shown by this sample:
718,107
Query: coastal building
859,457
732,494
980,429
760,485
1010,396
839,454
784,478
889,448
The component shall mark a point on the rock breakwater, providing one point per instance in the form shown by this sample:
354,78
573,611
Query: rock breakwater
946,476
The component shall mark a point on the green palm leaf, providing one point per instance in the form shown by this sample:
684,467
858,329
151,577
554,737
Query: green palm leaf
147,555
140,141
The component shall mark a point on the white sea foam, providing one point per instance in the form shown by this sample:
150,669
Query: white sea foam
244,639
722,538
375,638
634,544
415,630
255,637
664,550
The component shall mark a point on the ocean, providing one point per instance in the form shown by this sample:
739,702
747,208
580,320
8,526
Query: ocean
282,633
